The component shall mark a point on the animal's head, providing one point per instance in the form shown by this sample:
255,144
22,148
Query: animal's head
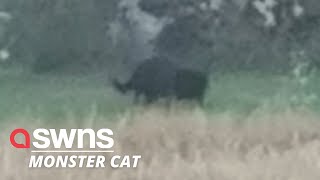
122,87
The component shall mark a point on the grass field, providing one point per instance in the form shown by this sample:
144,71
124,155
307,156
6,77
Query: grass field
252,127
55,97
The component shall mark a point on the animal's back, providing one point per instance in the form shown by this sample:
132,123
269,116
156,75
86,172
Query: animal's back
191,84
154,78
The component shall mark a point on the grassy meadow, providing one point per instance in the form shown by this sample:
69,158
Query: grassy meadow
252,126
56,97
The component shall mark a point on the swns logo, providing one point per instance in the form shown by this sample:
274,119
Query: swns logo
66,148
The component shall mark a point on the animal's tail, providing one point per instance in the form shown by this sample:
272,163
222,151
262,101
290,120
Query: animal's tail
122,87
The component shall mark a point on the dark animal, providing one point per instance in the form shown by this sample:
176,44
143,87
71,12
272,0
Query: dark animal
190,84
158,78
154,79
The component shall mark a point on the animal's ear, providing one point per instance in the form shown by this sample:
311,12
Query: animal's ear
113,81
122,87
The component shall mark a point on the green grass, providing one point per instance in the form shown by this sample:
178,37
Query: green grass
244,92
54,97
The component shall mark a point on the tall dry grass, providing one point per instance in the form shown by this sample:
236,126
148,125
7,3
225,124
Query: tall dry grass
190,144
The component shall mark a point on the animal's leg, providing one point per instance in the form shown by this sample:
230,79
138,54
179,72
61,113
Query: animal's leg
149,99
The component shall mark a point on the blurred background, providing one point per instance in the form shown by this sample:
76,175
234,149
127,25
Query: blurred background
58,56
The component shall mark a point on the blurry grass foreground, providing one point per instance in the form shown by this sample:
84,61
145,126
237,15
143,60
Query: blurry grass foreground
180,144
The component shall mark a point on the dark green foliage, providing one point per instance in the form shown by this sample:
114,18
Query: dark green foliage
172,8
62,32
187,42
70,34
236,39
